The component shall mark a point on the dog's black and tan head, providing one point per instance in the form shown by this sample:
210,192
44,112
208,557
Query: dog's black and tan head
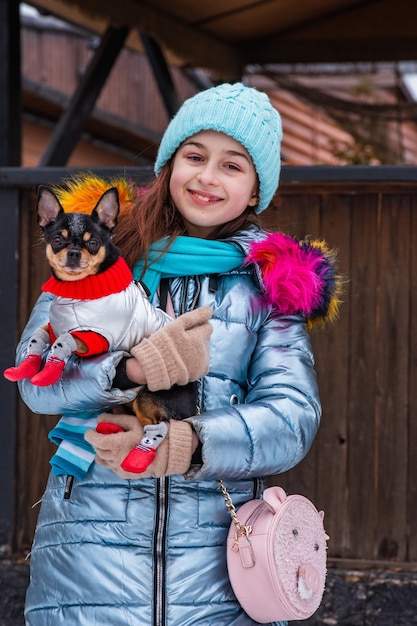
78,245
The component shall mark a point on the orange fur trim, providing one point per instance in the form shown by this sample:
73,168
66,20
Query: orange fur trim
81,193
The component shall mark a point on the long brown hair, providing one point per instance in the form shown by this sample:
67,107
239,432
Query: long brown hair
153,216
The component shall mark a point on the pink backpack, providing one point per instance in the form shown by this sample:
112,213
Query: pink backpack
276,556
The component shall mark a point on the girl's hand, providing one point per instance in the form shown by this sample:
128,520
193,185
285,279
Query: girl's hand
173,456
177,353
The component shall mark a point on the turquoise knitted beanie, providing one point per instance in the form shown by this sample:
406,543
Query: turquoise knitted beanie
241,112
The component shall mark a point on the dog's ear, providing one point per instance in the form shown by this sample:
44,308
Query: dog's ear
48,206
107,209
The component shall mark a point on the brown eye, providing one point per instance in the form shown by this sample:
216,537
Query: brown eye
57,241
93,245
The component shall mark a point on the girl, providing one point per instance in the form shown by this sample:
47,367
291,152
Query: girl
120,549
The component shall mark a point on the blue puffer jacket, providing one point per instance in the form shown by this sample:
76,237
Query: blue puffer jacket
151,552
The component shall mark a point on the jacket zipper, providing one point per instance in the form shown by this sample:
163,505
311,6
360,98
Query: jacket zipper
162,489
159,550
69,482
197,290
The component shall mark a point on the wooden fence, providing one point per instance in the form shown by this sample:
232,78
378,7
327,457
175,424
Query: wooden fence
362,467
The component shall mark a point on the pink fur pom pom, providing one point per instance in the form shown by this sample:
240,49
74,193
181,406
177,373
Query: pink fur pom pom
295,274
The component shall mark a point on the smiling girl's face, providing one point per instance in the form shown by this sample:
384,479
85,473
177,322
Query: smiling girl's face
213,180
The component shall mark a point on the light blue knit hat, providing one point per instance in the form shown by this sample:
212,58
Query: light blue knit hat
241,112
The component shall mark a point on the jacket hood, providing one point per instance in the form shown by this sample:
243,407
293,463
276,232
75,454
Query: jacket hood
295,276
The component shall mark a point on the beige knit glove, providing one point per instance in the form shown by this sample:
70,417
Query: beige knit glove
178,353
173,456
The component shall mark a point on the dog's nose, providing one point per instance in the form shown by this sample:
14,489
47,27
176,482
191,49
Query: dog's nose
73,255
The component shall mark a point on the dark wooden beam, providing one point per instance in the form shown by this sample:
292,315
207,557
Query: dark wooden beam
277,50
10,104
363,30
161,73
9,217
10,155
378,30
48,105
187,45
72,123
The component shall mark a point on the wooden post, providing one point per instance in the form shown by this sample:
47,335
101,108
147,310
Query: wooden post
9,217
10,155
10,84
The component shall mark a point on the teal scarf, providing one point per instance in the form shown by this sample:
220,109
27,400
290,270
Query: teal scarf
187,256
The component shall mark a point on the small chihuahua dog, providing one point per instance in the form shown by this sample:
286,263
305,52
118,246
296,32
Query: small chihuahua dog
86,267
78,246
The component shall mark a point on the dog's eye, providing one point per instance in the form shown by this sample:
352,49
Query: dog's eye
93,245
57,241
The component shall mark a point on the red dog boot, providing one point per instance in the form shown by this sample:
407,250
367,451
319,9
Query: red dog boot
107,428
142,455
50,373
138,459
28,368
